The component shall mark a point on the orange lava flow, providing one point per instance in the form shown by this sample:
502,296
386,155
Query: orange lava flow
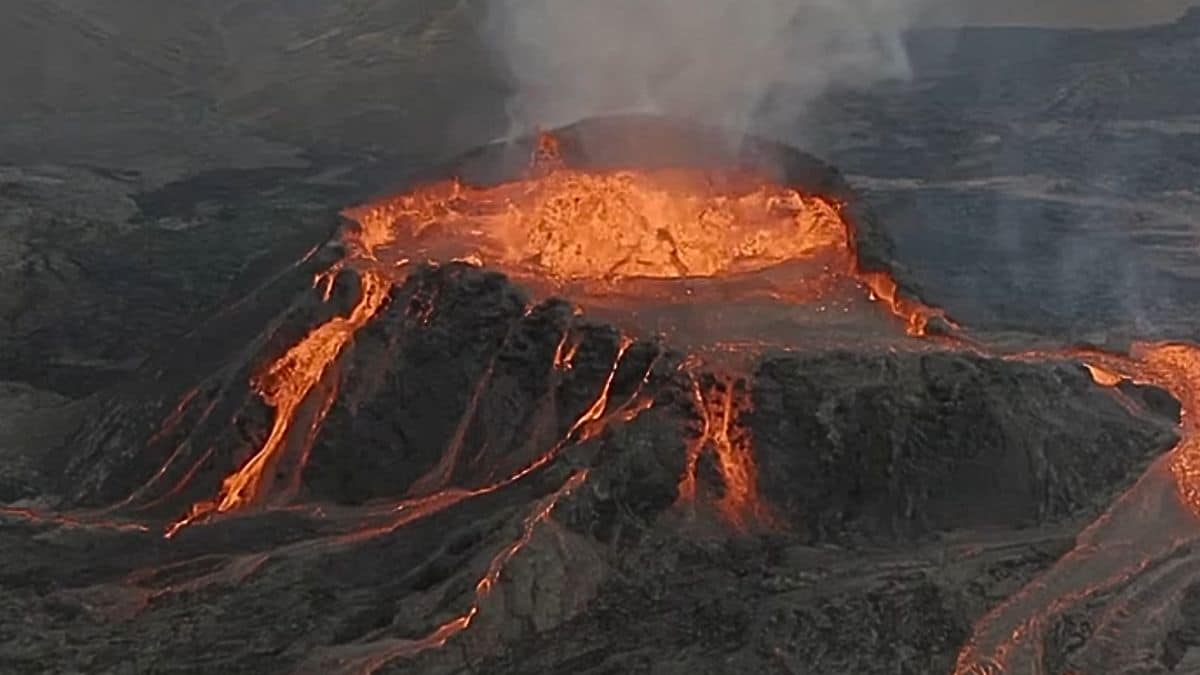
66,520
721,430
1174,367
439,477
916,316
483,588
168,427
172,421
589,423
607,232
284,386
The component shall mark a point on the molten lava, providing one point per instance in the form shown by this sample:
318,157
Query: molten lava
570,225
601,231
1174,367
720,407
1118,546
284,385
483,588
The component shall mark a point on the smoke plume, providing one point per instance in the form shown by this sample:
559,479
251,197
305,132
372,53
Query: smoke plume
712,60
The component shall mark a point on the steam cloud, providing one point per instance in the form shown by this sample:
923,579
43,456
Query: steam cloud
713,60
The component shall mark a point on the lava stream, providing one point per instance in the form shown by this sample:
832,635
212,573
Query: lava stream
1119,546
284,386
720,408
68,520
587,425
381,652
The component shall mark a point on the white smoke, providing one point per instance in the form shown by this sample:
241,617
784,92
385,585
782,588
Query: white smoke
712,60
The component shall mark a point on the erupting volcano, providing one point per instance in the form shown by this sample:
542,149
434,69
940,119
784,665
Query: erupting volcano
612,342
647,235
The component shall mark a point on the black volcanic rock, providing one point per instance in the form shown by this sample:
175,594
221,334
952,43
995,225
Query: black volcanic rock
888,444
473,376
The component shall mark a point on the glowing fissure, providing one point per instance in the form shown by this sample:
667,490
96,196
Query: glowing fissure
67,520
172,420
180,484
439,476
179,452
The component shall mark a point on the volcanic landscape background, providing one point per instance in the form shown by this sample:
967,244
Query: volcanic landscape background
517,337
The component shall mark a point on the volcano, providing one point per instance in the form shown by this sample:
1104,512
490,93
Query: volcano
632,395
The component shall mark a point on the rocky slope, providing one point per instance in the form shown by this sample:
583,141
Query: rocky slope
926,482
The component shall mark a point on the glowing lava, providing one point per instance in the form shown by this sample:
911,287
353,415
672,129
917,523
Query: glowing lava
597,231
285,385
483,588
651,235
1175,368
1119,546
720,407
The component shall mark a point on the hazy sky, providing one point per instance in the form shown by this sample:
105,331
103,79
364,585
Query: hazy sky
1093,13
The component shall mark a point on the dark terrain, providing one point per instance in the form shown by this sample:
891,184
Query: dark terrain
157,207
